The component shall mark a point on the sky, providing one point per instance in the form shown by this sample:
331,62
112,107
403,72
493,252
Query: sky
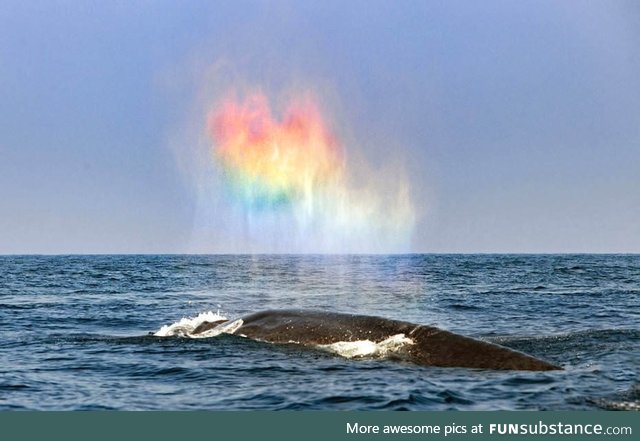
463,127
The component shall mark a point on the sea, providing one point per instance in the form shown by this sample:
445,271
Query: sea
86,332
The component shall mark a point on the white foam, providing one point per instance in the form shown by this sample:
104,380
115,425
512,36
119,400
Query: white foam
368,348
223,328
186,325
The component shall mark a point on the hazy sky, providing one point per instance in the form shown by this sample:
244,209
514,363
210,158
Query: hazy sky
517,123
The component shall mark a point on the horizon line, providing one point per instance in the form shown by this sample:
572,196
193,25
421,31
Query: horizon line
434,253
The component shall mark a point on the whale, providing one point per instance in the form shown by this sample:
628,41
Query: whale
425,345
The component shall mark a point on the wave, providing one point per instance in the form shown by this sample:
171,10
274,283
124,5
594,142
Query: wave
616,405
622,334
627,400
186,326
368,348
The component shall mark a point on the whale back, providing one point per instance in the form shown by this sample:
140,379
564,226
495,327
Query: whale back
431,346
318,327
436,347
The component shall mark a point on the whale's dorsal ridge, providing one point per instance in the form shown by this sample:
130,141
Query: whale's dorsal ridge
430,346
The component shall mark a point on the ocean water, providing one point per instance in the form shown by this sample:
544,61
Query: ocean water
74,331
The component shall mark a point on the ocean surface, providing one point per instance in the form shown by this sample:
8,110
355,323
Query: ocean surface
74,331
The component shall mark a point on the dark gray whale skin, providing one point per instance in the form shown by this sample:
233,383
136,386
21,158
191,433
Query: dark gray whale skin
432,346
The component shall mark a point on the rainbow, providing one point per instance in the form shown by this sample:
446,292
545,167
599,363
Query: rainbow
295,168
270,163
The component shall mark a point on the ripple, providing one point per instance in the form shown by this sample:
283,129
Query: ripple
75,331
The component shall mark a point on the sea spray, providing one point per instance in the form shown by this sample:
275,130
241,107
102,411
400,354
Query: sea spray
186,325
367,348
286,182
